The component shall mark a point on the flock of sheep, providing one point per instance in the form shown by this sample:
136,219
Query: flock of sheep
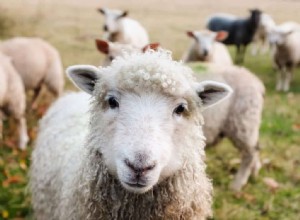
131,144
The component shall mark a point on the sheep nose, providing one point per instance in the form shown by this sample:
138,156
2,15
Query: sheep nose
138,170
105,28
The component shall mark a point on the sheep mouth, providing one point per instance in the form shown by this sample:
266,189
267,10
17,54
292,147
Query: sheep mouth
135,185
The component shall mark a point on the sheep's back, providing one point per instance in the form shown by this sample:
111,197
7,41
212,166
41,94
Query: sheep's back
61,135
132,32
223,23
29,59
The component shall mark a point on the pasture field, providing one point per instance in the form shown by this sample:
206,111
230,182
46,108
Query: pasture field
72,26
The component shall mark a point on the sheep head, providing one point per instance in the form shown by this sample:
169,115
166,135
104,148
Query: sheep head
146,115
111,19
113,49
278,36
205,39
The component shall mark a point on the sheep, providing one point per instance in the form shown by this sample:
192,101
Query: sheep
237,118
38,64
119,28
287,53
138,153
265,26
112,50
12,99
205,48
240,30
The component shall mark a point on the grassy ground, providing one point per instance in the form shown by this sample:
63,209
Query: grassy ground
71,26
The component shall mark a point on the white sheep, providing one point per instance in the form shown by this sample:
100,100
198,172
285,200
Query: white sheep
119,28
12,99
139,151
260,39
237,118
37,62
112,50
205,48
286,56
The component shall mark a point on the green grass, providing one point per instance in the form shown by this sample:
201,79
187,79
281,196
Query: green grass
72,29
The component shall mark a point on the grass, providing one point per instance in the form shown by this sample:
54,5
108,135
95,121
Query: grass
72,27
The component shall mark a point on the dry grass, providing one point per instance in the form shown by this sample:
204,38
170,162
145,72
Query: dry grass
72,26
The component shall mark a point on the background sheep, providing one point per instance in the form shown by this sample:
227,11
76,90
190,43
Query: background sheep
205,47
119,28
37,62
113,50
237,118
240,31
260,39
12,99
143,157
287,54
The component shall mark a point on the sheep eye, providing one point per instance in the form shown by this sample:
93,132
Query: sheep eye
179,109
113,103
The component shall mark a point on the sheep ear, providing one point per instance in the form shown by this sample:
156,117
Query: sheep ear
152,46
84,77
221,35
286,33
190,34
211,92
101,10
124,14
102,46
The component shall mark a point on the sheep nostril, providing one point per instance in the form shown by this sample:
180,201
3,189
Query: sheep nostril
139,170
150,167
105,28
130,165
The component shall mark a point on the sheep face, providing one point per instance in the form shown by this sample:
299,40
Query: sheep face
113,50
255,15
278,37
111,19
145,114
204,40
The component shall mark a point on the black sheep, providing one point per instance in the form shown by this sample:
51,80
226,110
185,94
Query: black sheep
240,30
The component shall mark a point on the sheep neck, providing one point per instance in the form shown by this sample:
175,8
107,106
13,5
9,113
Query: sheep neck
113,37
183,196
283,53
252,25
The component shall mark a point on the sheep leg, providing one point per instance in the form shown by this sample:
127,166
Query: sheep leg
23,137
280,78
265,46
243,51
36,94
256,163
237,55
1,126
248,162
255,47
287,80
